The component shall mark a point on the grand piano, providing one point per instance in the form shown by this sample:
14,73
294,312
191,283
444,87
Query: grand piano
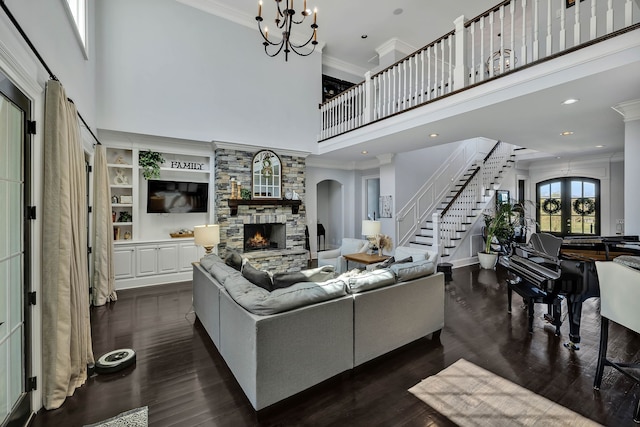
566,272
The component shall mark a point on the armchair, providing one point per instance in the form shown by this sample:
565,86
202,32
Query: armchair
335,257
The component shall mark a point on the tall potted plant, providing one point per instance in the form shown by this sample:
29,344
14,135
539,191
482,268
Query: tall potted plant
499,230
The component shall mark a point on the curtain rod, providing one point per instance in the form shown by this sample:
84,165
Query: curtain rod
44,64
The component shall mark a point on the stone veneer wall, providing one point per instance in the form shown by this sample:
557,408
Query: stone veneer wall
236,164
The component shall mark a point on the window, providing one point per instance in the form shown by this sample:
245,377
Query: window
266,175
569,206
77,9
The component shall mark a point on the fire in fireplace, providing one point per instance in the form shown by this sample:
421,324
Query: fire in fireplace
264,236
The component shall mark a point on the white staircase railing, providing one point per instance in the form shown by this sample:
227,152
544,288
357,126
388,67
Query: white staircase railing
464,206
429,196
511,35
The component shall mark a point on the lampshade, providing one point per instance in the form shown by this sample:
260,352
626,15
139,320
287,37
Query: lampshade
207,236
370,228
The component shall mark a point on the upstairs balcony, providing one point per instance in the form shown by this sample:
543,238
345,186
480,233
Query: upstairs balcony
514,35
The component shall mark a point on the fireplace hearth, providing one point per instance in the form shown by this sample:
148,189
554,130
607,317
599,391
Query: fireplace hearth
260,237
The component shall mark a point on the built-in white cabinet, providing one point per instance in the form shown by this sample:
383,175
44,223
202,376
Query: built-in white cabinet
156,259
189,253
124,262
154,262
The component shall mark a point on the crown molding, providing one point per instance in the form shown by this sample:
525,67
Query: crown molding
253,148
630,110
223,10
395,44
340,65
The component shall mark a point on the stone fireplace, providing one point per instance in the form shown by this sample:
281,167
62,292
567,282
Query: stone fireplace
289,234
259,237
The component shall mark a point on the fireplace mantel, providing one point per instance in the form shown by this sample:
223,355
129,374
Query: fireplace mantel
234,203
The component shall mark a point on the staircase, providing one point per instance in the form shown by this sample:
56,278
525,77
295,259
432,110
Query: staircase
462,207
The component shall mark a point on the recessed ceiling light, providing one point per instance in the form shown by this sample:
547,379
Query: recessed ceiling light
599,146
567,133
398,11
364,36
433,135
569,101
364,151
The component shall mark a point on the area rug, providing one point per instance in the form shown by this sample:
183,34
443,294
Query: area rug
138,417
471,396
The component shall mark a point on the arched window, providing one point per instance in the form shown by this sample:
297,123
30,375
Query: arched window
266,175
569,206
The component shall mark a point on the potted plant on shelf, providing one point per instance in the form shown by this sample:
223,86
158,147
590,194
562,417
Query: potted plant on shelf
150,162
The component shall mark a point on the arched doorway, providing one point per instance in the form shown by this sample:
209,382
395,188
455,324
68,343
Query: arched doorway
330,215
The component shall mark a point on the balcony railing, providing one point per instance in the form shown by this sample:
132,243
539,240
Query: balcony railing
511,35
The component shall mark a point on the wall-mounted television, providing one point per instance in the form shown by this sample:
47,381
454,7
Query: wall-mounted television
177,196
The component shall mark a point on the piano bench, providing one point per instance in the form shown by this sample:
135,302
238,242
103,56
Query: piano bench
533,295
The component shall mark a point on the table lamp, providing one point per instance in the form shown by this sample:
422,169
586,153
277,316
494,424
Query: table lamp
370,227
207,236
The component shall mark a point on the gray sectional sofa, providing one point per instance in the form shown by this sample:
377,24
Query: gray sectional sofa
280,342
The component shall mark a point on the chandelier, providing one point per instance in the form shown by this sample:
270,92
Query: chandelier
285,18
496,58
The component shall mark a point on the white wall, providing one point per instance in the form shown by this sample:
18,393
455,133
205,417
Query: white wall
414,168
168,69
617,206
347,179
632,176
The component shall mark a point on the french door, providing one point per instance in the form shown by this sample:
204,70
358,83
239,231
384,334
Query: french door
15,404
569,206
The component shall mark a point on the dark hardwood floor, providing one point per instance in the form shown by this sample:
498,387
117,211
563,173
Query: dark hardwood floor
182,379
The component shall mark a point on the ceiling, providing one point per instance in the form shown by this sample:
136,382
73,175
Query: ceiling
533,120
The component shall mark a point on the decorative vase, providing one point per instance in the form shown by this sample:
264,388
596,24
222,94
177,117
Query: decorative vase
487,260
379,251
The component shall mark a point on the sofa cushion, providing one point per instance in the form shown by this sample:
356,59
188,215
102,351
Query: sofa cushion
319,274
370,280
257,277
217,268
412,270
208,261
417,254
262,302
233,259
352,246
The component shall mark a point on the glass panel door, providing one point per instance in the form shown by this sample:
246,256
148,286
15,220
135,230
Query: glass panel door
14,404
569,206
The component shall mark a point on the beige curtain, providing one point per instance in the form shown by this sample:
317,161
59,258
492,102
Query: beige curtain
66,329
103,290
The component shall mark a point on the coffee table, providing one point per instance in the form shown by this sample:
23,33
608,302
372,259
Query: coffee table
364,258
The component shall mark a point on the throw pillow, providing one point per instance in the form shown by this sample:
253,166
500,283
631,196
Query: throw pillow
257,277
386,263
402,261
284,280
233,259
